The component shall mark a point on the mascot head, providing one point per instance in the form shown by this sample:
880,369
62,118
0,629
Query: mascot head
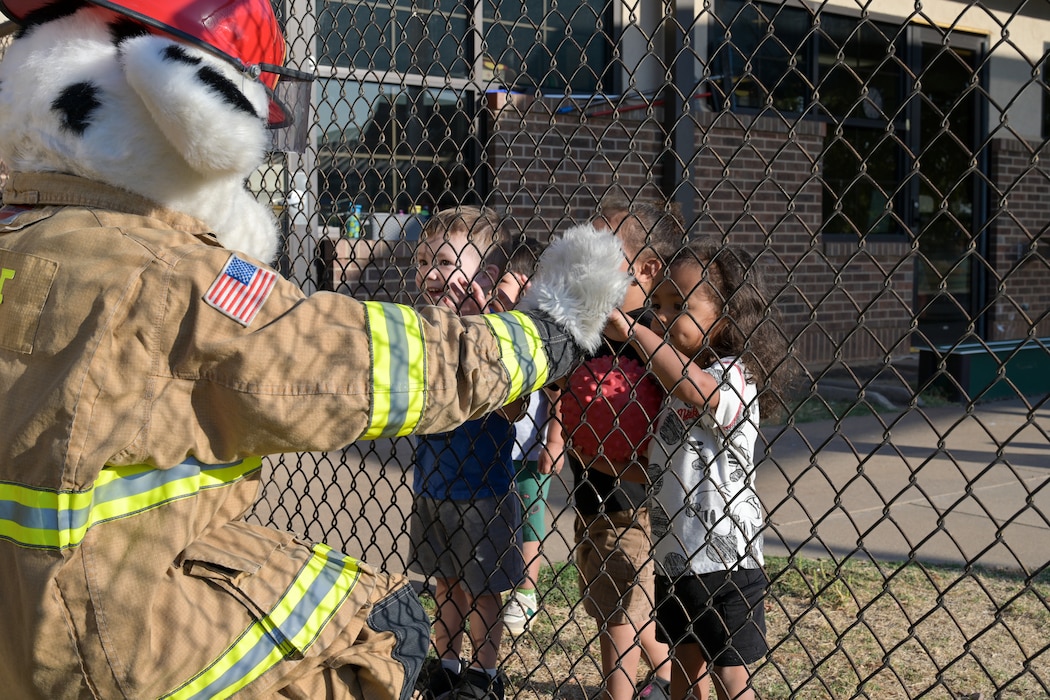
169,99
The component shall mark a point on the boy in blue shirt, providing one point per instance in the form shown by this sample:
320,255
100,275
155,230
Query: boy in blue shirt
465,525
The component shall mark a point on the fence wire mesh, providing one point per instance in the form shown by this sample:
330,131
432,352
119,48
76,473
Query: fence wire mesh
884,163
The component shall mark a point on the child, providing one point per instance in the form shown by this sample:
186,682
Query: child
723,361
613,550
538,439
539,451
464,527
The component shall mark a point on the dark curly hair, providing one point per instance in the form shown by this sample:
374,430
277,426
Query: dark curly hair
750,329
647,229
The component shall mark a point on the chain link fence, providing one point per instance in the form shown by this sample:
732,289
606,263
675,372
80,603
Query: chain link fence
884,162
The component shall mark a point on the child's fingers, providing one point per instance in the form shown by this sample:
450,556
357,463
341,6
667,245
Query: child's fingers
619,326
545,464
472,299
479,294
460,295
503,300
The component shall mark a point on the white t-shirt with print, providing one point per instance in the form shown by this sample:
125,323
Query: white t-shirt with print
706,515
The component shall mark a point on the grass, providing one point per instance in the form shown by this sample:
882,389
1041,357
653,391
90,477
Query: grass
863,629
855,629
852,629
814,407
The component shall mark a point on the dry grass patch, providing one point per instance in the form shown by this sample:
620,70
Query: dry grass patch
854,630
888,631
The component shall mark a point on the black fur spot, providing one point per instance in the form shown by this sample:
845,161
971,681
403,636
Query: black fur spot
213,79
123,29
48,13
178,54
75,105
226,89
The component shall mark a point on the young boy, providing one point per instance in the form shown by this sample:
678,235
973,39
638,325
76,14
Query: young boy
465,523
613,537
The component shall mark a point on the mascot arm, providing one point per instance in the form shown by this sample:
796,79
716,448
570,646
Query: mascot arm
318,372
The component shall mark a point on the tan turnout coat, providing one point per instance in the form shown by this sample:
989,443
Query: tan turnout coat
114,371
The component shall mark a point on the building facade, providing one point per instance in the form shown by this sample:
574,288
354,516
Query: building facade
885,160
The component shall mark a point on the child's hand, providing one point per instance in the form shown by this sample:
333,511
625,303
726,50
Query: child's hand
619,326
550,462
500,301
467,299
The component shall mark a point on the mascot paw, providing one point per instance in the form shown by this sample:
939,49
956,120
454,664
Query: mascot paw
578,282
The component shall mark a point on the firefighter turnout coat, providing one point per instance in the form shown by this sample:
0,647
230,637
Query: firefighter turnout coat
144,369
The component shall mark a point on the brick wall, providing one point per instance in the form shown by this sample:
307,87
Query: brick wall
372,269
1020,205
758,185
550,170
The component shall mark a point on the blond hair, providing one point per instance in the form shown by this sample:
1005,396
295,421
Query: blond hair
482,227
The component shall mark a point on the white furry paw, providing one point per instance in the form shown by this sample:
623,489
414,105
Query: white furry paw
578,282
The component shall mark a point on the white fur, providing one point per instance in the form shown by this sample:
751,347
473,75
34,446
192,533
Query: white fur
578,282
159,132
209,135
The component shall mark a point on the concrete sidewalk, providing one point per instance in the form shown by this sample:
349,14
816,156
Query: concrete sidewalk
938,485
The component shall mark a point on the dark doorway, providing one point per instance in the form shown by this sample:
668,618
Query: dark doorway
947,213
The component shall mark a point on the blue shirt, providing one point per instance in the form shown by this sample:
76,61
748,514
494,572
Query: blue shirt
471,461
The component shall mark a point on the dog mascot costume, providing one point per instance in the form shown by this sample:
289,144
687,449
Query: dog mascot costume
149,357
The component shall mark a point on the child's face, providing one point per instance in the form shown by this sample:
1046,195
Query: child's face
684,305
440,263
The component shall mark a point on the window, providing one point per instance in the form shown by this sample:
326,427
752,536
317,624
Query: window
543,44
398,105
858,74
550,45
401,36
762,54
840,69
858,83
860,180
390,148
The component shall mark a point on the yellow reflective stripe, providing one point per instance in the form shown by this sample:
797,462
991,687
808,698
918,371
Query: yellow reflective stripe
292,626
521,350
399,370
51,519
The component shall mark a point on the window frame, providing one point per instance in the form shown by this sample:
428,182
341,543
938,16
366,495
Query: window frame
893,120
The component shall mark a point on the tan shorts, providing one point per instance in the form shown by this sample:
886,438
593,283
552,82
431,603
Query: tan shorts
615,565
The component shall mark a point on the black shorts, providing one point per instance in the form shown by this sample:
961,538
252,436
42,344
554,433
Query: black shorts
723,612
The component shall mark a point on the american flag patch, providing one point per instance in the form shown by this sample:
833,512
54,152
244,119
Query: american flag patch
11,212
240,290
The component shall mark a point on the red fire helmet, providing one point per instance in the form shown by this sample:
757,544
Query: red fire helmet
245,33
